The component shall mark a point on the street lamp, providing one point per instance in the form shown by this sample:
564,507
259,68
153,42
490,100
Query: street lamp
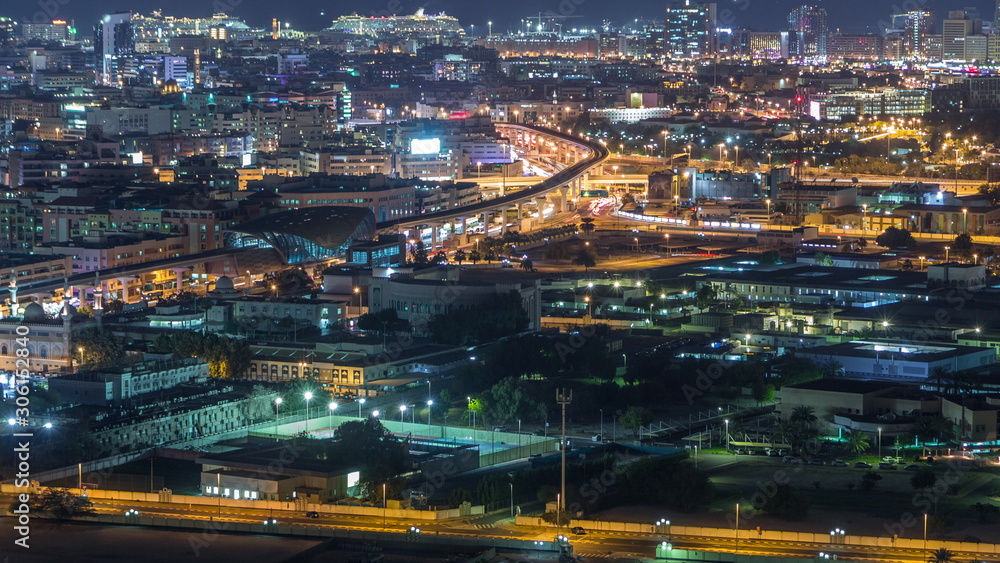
277,406
727,434
402,409
333,407
430,404
947,249
965,221
308,397
880,443
361,401
922,258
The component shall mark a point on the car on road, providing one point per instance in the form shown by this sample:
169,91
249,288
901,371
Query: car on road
312,514
839,463
889,466
578,530
911,467
862,465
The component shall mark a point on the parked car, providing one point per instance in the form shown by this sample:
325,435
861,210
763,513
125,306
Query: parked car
578,530
911,467
500,429
889,466
839,463
816,461
312,514
774,453
892,459
862,465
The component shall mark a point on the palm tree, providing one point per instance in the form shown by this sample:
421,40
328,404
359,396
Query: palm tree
587,225
803,415
832,368
931,428
858,442
475,257
783,431
461,256
941,556
939,374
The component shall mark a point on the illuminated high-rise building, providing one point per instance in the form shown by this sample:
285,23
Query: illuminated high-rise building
918,25
689,31
114,40
807,32
8,31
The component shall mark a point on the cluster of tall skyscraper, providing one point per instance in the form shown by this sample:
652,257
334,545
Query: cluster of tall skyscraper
692,30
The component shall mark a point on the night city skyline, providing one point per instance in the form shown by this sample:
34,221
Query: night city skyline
764,15
469,282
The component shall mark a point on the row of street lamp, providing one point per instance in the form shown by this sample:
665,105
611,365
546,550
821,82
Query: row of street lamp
308,396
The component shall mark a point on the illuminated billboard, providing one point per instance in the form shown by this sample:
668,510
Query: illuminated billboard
425,146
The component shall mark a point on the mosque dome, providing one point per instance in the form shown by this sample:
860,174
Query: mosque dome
34,312
224,284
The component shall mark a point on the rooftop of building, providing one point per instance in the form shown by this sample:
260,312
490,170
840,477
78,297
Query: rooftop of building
894,350
836,385
849,279
309,458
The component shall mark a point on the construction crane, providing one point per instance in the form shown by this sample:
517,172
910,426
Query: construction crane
538,26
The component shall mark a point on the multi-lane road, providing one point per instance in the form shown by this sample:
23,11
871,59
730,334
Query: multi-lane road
499,526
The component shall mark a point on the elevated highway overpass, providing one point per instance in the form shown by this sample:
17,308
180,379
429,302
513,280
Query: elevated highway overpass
579,156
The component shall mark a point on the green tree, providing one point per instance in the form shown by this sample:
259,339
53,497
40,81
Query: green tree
869,480
636,417
227,358
507,402
803,415
497,316
96,349
369,444
114,307
894,238
858,442
931,429
706,295
769,258
458,496
384,321
923,479
60,504
962,245
475,257
586,257
420,253
941,555
786,503
823,259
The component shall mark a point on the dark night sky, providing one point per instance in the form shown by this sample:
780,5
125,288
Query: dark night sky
850,15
